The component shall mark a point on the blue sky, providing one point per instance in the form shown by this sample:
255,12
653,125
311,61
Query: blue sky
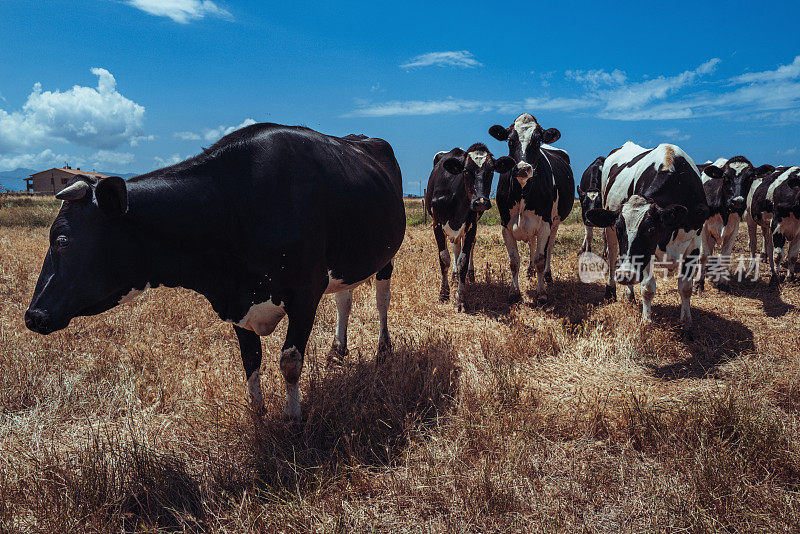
132,85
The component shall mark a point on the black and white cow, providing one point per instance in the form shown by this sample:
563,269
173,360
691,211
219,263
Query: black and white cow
774,205
456,197
726,183
653,207
534,196
262,224
590,197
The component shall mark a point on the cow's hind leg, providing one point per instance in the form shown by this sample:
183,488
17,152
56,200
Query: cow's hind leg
383,295
462,263
471,270
444,261
551,243
687,274
250,346
613,250
540,259
648,292
769,252
344,303
587,239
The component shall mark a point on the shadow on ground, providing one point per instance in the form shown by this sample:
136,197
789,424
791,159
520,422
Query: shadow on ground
712,341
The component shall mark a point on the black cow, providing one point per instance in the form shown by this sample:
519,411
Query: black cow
456,197
654,206
774,204
590,197
262,224
726,183
533,197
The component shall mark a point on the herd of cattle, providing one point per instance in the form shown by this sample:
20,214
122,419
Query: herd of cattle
272,217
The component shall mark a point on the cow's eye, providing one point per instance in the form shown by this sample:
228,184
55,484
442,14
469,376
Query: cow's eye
62,241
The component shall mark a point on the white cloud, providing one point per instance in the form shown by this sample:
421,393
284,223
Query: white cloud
44,159
673,134
423,107
558,103
597,77
187,136
787,152
215,134
784,72
107,157
458,58
180,11
170,160
98,117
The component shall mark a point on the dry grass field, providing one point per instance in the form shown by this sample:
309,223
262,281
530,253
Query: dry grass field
568,416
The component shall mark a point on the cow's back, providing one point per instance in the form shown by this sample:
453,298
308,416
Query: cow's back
562,177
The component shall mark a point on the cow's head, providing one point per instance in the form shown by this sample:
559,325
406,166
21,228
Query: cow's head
736,176
89,266
477,166
640,226
591,198
524,137
786,206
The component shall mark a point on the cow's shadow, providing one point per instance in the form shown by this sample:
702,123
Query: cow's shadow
492,294
770,296
357,413
570,299
712,341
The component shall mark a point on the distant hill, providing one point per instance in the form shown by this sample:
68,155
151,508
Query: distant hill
15,180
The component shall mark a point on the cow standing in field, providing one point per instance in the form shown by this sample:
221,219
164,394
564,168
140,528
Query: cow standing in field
774,205
534,196
726,183
653,206
590,198
262,224
456,197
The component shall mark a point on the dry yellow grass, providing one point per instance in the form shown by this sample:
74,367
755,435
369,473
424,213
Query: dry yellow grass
570,416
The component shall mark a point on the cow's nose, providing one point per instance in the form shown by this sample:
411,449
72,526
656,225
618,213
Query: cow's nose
737,203
524,170
626,276
481,204
36,320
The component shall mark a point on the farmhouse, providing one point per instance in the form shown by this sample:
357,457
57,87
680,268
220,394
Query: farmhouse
54,180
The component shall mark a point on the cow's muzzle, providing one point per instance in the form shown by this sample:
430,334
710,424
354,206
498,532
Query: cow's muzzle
736,204
481,204
39,321
627,276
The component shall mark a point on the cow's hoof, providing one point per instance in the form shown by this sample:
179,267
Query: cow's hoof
531,272
631,297
515,296
699,287
541,298
611,293
444,295
774,280
337,354
471,276
548,277
384,349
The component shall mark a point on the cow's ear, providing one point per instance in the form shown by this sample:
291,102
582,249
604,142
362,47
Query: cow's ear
601,218
580,193
551,135
453,165
673,215
764,169
504,164
713,171
76,191
112,195
499,133
438,157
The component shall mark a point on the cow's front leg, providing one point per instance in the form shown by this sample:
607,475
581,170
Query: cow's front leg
751,230
344,303
471,270
444,261
463,263
300,311
457,246
513,257
769,252
551,243
383,296
540,260
729,234
250,346
706,249
613,250
587,239
648,292
687,274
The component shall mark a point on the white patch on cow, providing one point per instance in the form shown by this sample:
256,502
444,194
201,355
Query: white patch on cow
550,147
523,225
720,162
479,157
132,294
525,126
779,180
262,318
633,213
453,234
789,227
592,195
738,166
